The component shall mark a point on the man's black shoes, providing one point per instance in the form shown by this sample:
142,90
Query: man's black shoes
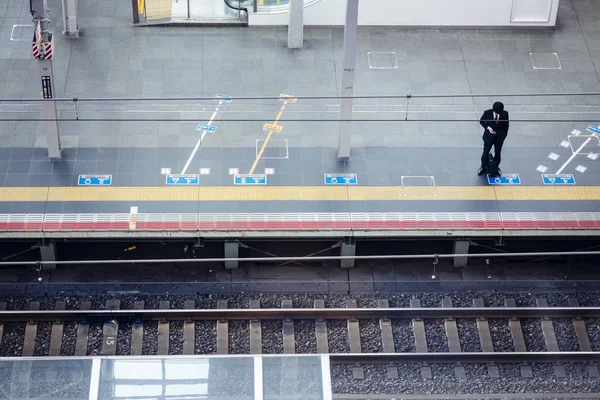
481,171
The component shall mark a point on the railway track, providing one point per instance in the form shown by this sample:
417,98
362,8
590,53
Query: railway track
61,325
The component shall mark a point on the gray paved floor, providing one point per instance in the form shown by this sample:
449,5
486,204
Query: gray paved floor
114,59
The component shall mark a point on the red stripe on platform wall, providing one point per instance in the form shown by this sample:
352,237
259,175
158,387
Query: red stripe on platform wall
295,225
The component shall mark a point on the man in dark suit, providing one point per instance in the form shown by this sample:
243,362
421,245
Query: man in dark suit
495,125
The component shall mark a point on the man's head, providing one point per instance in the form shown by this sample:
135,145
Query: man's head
498,107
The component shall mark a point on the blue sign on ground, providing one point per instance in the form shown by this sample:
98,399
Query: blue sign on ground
223,96
565,179
204,127
257,179
341,179
507,179
182,179
94,180
593,129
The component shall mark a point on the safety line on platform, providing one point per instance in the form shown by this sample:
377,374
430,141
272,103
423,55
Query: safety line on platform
298,193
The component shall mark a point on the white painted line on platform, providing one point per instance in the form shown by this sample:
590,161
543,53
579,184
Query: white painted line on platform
199,143
574,155
542,168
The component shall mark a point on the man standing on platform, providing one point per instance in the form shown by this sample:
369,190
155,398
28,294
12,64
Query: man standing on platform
495,125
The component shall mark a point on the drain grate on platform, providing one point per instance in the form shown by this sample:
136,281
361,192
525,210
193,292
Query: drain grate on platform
382,60
545,61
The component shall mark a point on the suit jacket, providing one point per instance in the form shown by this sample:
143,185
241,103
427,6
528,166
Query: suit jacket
501,127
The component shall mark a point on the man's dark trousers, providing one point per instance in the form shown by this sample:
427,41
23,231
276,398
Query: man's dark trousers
500,126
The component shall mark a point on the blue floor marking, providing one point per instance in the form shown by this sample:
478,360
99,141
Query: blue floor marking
256,179
94,180
506,179
173,179
341,179
562,179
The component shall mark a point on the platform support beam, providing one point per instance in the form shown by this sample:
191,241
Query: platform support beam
48,254
296,25
348,249
232,250
349,63
461,247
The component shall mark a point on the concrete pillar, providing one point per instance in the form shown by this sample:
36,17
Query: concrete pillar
232,250
71,18
296,25
461,247
48,253
348,249
349,63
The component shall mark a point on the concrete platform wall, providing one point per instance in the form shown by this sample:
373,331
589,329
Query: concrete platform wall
456,13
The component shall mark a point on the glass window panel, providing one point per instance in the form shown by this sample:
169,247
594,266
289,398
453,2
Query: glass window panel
137,390
206,378
181,390
292,378
187,369
136,369
45,379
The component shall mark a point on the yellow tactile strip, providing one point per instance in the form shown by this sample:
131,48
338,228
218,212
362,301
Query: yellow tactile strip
297,193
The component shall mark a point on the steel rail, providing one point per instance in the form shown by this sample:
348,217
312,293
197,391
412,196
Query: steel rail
468,358
304,258
303,313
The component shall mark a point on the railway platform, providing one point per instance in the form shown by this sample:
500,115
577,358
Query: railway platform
209,162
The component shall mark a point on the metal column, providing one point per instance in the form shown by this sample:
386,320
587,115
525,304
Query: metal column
350,34
71,17
42,36
296,25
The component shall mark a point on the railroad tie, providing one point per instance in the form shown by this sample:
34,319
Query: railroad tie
583,338
453,339
485,338
387,338
83,331
289,341
289,365
354,340
56,336
420,339
137,331
550,338
516,332
163,331
222,330
189,330
255,331
30,332
110,330
321,330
